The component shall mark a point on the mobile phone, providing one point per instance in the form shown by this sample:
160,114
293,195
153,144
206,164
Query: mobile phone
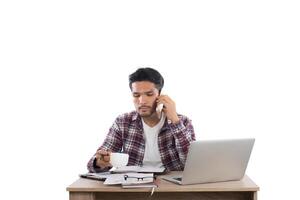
159,108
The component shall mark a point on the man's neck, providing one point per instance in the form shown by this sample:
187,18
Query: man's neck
151,120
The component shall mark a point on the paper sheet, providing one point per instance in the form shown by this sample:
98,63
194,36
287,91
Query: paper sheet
133,178
142,169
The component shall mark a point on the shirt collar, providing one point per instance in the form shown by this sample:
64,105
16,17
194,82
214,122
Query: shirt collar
136,117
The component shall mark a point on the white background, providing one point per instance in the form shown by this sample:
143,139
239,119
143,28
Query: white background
231,66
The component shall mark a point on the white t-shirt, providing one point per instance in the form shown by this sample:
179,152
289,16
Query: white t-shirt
152,155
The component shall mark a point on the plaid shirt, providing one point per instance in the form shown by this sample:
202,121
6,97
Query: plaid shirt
127,135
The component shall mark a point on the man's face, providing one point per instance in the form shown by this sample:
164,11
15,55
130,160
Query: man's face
144,97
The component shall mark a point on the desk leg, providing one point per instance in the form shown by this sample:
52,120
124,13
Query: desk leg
82,196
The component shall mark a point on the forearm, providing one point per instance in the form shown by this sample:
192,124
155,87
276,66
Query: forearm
184,135
112,142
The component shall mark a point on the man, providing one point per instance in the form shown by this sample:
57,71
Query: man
150,138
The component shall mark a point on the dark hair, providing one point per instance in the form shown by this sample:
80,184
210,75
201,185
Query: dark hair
147,74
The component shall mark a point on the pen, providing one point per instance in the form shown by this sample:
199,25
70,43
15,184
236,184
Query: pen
152,191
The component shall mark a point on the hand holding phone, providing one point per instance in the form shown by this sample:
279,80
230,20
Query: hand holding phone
167,105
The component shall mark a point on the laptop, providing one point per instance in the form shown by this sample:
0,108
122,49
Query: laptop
215,161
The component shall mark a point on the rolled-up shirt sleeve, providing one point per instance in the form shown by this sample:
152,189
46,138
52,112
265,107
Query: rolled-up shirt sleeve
184,134
112,142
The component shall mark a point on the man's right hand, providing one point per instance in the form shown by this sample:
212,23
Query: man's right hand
103,159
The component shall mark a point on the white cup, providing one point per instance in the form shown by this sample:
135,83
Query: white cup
119,159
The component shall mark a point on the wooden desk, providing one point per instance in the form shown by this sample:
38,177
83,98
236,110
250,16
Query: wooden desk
86,189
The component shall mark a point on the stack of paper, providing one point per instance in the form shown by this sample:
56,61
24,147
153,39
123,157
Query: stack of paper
131,180
128,176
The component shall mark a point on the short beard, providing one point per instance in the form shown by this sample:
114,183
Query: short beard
146,115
